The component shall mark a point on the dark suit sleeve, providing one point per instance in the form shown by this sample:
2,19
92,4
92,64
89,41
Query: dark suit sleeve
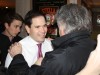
19,66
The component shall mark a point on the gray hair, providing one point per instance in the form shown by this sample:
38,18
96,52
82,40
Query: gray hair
74,17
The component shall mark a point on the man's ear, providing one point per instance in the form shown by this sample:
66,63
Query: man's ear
6,25
61,30
27,29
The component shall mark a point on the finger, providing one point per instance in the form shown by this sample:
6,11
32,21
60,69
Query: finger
98,43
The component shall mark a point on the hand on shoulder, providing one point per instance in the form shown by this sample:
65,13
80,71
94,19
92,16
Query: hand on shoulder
15,49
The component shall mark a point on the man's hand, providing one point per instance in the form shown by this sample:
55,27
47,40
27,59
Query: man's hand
38,62
15,49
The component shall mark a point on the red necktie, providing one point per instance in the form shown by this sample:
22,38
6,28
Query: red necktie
39,50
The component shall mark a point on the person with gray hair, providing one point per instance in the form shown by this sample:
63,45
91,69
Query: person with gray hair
71,49
74,18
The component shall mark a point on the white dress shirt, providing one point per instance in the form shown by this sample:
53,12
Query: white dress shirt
30,50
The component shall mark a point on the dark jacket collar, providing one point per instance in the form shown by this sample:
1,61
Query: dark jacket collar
69,37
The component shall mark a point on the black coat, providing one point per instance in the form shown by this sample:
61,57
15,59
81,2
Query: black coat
69,56
4,46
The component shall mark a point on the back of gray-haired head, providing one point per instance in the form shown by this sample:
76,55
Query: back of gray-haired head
73,17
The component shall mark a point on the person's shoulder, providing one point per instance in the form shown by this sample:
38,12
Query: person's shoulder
47,40
3,36
24,40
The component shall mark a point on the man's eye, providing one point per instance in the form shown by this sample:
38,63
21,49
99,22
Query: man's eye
37,27
15,26
45,25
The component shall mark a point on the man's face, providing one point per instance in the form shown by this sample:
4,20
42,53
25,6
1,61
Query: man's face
14,28
38,29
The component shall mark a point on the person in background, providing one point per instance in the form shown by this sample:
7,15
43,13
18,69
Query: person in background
12,25
71,49
35,24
